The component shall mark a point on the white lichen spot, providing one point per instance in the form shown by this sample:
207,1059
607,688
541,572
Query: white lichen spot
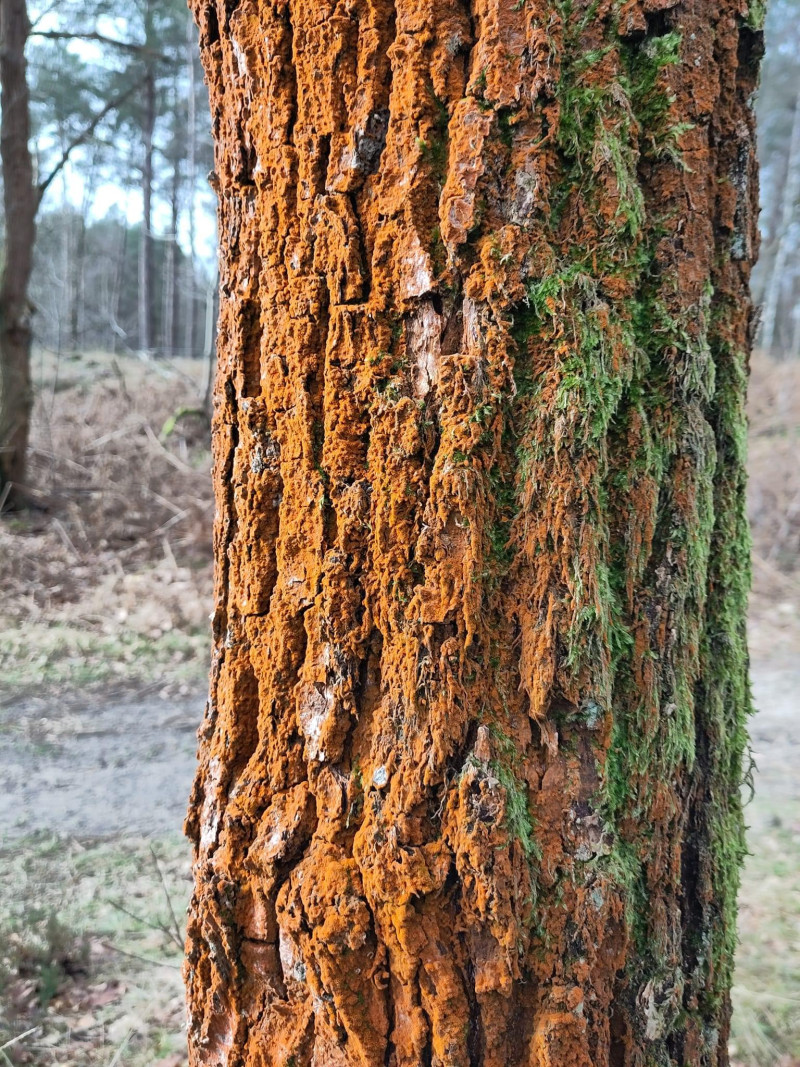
380,777
274,842
526,190
473,335
417,279
315,704
241,58
209,816
424,346
454,43
348,161
291,961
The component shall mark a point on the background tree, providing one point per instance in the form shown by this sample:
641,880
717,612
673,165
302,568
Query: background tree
107,309
20,202
103,79
776,281
143,44
469,783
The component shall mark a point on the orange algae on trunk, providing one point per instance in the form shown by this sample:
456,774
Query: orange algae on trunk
468,790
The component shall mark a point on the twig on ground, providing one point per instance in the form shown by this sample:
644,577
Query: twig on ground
66,539
142,959
176,463
17,1039
176,926
124,1044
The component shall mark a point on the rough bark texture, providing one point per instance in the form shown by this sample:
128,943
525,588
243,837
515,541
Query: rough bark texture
20,202
469,774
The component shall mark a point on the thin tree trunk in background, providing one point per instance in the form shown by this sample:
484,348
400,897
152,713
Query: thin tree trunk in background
191,152
20,204
146,333
210,349
77,287
116,293
469,780
795,348
777,278
62,300
170,328
74,282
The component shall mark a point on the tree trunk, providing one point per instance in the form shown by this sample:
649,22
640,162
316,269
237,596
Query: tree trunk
116,331
146,326
469,782
777,277
77,276
189,286
20,204
170,316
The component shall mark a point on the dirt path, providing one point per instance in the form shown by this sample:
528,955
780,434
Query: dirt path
87,768
775,739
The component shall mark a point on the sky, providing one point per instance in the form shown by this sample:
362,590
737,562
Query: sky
122,197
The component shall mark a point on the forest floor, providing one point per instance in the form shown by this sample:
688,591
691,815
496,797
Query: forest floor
103,687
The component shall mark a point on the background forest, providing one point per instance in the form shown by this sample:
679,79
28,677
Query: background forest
103,630
124,257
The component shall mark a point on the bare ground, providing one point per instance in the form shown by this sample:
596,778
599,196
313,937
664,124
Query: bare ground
95,766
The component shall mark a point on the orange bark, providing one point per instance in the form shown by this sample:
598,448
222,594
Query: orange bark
463,766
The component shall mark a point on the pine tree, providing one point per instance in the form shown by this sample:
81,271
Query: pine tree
469,781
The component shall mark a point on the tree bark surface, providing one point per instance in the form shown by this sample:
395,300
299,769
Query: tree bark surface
469,779
20,203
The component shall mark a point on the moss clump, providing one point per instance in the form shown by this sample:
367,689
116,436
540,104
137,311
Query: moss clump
724,701
435,147
756,14
517,814
651,99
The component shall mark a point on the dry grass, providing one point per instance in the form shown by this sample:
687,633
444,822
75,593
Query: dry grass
774,507
114,577
766,994
774,410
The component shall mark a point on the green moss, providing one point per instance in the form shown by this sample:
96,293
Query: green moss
518,819
505,129
438,251
624,394
756,14
434,149
479,89
625,869
724,700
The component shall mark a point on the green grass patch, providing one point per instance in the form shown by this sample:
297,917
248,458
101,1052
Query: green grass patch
91,940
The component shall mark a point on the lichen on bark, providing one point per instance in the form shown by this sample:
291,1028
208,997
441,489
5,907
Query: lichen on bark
468,790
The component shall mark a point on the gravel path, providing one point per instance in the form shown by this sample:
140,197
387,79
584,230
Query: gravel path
88,767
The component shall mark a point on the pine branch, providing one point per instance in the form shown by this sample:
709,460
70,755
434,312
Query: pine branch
84,136
126,46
